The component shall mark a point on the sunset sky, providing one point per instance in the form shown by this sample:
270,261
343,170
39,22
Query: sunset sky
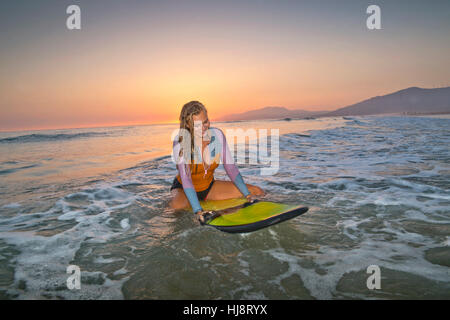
136,62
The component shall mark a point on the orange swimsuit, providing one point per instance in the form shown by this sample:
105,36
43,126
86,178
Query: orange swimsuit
200,180
193,177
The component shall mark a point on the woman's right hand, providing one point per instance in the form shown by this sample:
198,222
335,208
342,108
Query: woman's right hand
200,216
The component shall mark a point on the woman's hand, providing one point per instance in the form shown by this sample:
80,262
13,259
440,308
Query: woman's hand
200,216
204,216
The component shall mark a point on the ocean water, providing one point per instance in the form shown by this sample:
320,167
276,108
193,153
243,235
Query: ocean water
377,189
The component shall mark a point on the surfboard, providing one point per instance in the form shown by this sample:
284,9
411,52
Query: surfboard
240,216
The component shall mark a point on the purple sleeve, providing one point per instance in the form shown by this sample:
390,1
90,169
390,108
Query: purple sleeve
186,180
229,165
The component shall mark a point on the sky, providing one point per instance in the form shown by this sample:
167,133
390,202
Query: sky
138,62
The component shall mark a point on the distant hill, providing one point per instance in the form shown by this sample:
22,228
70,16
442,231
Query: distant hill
412,100
272,113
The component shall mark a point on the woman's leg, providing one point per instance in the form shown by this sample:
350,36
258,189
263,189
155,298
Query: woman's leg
179,199
222,190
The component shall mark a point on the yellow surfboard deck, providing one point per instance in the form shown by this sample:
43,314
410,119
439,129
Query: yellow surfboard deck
237,215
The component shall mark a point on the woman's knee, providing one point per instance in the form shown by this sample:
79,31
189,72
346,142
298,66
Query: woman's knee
178,201
176,204
256,191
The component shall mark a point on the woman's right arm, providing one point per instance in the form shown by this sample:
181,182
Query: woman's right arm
186,180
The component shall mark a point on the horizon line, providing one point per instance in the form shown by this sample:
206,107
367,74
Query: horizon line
218,119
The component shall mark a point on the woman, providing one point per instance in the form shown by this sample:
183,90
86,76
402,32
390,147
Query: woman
195,179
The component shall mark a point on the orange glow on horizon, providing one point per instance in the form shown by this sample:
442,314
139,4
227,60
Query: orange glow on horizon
87,126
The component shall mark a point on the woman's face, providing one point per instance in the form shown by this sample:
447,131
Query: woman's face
201,119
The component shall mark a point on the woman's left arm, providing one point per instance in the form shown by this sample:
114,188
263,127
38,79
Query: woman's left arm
229,165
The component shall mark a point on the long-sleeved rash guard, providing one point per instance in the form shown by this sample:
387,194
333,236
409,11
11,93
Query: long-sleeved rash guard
196,177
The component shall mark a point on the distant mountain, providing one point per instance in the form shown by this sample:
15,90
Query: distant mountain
412,100
272,113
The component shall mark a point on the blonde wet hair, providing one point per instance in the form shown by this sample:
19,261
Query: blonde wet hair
189,110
